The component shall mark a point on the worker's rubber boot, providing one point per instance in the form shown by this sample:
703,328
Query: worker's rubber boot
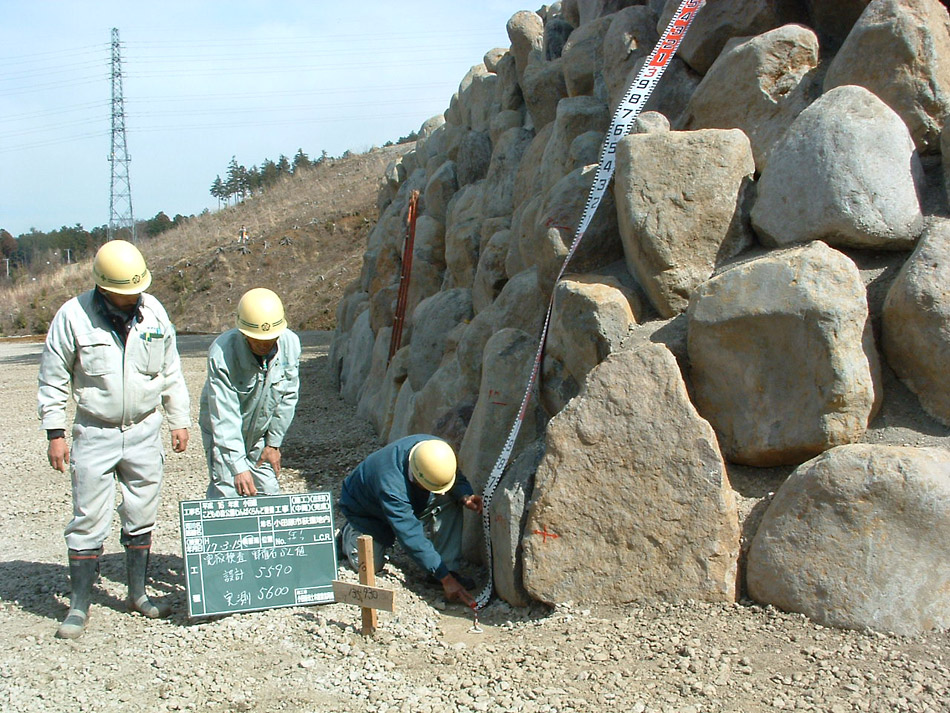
83,572
136,562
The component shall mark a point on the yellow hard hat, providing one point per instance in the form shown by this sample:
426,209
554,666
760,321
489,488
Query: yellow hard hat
260,314
433,465
119,267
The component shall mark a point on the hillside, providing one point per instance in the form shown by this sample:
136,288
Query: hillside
306,237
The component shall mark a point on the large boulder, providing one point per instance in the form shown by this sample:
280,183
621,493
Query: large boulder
900,51
357,358
508,514
443,407
463,235
490,275
672,94
473,157
575,116
526,32
441,186
846,172
352,304
859,538
428,262
546,242
519,305
758,85
590,318
782,356
528,177
582,60
682,208
542,86
916,322
474,103
718,22
433,319
631,36
507,364
503,170
631,500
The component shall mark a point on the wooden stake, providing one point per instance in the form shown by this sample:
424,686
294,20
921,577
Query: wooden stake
364,544
366,595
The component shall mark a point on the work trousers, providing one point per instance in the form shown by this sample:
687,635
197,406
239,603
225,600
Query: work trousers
221,483
443,522
103,455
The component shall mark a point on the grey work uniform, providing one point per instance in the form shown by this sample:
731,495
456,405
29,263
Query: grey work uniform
118,385
248,402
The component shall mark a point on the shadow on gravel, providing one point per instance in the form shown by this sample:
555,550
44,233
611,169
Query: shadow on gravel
42,588
28,359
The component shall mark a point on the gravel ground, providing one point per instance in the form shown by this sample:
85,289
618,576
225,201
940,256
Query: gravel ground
687,657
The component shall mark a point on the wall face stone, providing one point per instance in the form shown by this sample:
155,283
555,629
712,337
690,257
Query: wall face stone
758,85
897,49
858,538
916,323
631,500
721,307
681,204
846,173
786,333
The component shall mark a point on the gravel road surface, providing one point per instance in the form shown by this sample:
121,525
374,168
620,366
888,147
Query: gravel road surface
673,658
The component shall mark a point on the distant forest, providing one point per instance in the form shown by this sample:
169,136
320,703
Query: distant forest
240,182
36,251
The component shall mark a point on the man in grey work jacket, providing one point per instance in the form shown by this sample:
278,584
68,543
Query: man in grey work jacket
249,398
114,349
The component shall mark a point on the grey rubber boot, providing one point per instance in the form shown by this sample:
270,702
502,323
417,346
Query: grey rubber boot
136,562
83,572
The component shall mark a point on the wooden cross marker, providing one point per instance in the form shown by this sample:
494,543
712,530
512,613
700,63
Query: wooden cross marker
366,594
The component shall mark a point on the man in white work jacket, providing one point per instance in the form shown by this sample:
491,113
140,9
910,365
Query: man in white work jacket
249,398
114,350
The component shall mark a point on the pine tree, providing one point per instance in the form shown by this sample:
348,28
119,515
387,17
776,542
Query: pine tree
301,160
218,191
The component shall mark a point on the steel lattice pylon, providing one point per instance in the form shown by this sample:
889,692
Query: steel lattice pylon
121,220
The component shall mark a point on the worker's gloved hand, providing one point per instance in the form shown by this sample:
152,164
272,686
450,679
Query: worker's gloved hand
244,483
455,592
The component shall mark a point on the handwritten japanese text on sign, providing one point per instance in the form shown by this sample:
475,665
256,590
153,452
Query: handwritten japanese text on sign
246,554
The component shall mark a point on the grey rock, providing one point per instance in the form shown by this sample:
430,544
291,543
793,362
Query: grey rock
857,538
916,322
899,50
674,533
846,172
681,208
785,333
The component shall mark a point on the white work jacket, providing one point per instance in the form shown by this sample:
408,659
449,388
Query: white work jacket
112,383
244,401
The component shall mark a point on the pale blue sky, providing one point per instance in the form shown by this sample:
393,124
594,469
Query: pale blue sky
206,80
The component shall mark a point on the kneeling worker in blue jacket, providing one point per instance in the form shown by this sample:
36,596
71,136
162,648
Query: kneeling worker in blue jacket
395,492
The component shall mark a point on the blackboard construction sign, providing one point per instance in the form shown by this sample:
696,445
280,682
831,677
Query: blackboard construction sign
248,554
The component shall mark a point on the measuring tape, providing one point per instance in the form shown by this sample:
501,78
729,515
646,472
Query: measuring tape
633,101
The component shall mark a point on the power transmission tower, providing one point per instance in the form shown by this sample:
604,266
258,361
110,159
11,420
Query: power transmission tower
120,189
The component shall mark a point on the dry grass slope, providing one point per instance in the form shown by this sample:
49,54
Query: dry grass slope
306,240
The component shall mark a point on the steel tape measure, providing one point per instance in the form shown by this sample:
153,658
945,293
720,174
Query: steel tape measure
630,107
